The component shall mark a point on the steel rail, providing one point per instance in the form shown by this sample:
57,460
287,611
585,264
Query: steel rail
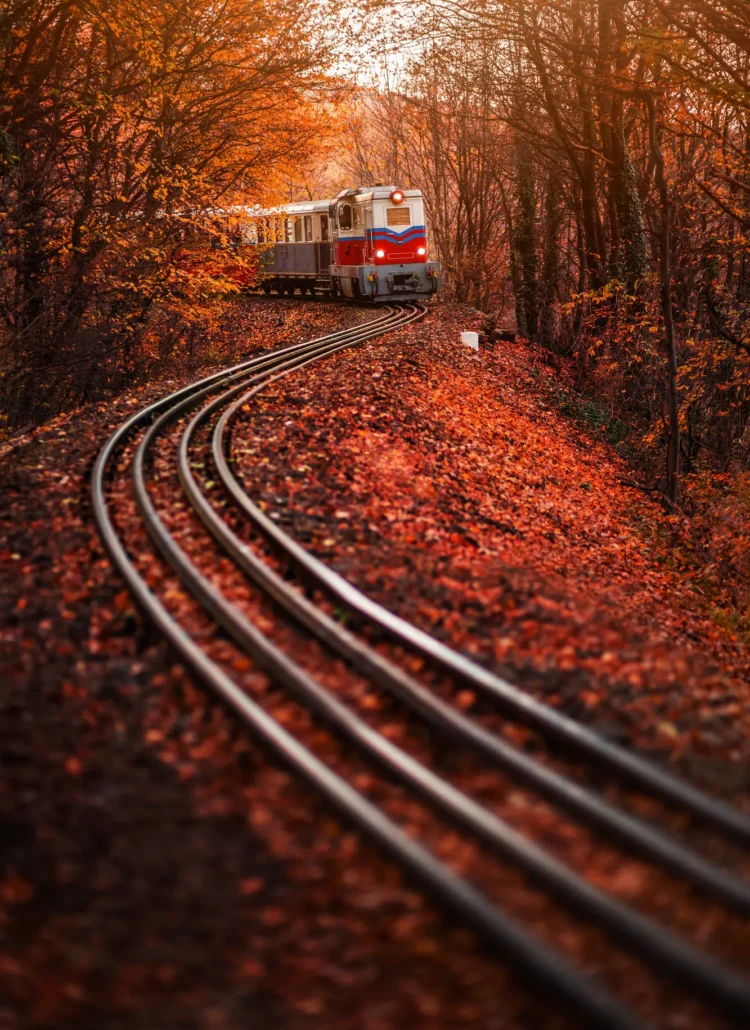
546,970
547,720
225,375
708,979
681,963
693,970
595,810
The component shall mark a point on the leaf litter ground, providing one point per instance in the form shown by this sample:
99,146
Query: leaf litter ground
159,870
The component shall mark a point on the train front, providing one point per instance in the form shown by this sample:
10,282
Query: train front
380,245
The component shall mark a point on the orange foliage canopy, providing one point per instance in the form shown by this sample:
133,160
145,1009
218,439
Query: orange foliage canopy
123,124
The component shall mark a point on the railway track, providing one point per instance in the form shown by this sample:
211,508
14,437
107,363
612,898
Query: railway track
186,437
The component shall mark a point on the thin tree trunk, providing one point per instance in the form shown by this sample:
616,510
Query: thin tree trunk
524,244
550,263
673,446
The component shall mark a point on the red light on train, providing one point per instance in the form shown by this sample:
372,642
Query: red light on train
397,196
380,253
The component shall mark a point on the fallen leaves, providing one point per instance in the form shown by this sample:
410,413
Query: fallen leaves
475,509
435,485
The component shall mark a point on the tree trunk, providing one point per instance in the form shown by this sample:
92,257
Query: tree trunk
550,263
673,445
629,215
524,245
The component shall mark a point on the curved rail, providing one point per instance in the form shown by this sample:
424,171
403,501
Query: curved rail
543,718
585,804
695,970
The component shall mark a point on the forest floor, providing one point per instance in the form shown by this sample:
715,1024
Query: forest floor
159,871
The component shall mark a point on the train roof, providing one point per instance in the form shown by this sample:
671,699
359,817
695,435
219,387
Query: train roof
377,192
307,207
360,194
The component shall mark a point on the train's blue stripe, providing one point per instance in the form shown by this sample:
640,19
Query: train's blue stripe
414,232
392,232
384,235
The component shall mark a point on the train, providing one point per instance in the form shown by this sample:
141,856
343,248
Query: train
368,244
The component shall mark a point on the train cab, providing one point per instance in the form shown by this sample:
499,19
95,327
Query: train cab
380,245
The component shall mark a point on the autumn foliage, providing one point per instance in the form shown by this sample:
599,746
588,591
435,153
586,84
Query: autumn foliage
123,125
585,165
587,172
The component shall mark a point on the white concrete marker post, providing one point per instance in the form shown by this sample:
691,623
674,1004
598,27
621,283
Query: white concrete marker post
471,340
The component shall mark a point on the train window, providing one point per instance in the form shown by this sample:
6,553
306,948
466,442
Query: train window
324,227
398,216
298,230
345,217
288,230
261,231
308,228
357,217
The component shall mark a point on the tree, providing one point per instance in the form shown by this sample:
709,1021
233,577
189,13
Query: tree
123,124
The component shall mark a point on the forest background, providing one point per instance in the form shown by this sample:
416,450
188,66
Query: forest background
585,166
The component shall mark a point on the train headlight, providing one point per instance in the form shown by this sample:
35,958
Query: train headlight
421,251
380,253
397,196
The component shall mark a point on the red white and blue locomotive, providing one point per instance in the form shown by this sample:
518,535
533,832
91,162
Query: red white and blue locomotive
370,243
